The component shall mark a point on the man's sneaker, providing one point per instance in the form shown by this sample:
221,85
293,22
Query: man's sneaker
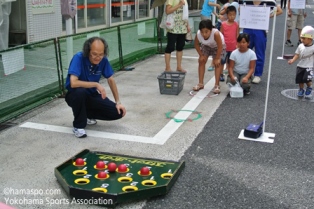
91,121
299,42
222,77
308,92
288,43
301,93
256,79
79,132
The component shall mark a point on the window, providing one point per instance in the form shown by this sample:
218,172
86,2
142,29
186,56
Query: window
143,8
93,13
96,12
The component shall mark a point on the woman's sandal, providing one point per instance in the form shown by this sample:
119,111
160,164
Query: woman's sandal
198,87
181,71
216,90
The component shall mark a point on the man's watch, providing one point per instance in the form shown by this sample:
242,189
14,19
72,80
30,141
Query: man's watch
118,102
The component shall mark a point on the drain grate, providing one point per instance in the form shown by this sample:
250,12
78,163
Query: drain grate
293,94
4,126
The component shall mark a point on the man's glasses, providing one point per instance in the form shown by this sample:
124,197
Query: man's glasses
94,55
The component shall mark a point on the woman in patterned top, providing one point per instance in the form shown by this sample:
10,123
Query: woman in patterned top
176,36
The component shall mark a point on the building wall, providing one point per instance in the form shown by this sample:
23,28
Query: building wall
43,26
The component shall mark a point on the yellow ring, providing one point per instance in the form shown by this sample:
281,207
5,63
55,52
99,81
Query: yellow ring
130,188
79,165
125,179
127,170
100,189
139,173
79,172
149,183
166,175
100,168
78,181
96,176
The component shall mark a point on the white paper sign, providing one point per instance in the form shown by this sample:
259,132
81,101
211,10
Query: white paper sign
254,17
13,61
297,4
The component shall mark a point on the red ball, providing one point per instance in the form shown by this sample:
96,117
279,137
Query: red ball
102,174
144,171
100,165
122,168
79,161
112,167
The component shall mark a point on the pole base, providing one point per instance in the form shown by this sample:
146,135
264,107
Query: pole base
265,137
286,57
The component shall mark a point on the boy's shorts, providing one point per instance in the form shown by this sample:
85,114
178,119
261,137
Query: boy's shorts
303,75
208,51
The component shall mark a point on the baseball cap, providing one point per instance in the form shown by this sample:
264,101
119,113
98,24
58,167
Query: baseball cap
307,32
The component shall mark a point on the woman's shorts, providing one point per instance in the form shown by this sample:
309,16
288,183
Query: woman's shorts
209,51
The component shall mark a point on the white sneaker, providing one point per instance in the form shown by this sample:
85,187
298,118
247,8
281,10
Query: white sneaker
256,79
79,132
91,121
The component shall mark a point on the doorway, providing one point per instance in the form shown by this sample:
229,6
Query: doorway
17,23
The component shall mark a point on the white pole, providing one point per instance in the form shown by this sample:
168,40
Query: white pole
69,31
284,34
269,66
265,137
214,16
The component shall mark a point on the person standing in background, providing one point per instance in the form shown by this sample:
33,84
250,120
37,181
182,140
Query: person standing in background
258,38
230,31
283,4
295,20
176,35
208,8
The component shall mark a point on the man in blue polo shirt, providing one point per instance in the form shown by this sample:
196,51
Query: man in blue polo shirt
86,96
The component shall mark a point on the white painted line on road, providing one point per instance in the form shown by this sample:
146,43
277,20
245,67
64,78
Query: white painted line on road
160,138
165,133
98,134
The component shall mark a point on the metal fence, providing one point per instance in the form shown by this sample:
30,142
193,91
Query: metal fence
33,74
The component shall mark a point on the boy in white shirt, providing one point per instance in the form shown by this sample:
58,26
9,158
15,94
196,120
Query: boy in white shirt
305,52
